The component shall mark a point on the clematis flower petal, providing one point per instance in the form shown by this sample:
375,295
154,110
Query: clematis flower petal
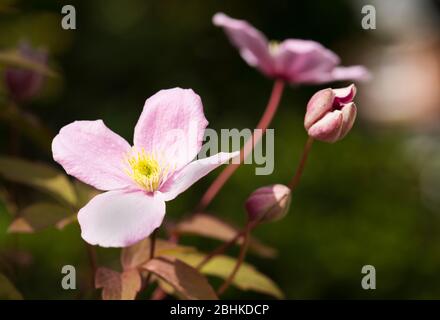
294,60
94,154
329,128
193,172
319,104
350,73
172,124
120,218
250,42
304,61
344,95
349,112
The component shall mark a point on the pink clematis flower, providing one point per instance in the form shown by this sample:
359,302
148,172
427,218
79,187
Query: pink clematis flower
293,60
330,114
139,179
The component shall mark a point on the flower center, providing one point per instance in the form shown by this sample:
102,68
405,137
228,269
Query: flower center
146,170
274,46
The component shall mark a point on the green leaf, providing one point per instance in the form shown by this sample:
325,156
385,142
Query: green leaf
39,216
40,176
8,290
247,277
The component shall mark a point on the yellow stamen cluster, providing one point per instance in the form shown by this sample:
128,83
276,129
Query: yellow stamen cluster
145,170
274,47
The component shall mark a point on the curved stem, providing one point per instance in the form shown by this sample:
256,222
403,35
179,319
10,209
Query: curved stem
264,122
224,246
152,244
220,249
240,261
152,251
300,169
91,253
158,294
250,225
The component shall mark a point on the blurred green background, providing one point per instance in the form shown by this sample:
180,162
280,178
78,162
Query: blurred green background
360,201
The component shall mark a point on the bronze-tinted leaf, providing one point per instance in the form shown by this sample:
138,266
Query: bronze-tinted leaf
110,282
213,227
38,175
247,277
39,216
186,280
131,284
8,290
139,253
118,286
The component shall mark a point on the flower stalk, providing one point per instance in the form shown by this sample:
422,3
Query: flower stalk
240,259
152,252
263,124
302,163
91,253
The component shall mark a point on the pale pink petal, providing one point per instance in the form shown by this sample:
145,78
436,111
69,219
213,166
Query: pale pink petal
172,126
250,42
348,116
304,61
329,128
94,154
344,95
319,104
359,73
193,172
120,218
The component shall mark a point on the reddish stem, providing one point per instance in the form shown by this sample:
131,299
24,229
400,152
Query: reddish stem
158,294
220,249
300,169
152,252
263,124
239,262
91,253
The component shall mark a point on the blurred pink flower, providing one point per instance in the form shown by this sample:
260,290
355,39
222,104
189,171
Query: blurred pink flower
330,114
138,179
293,60
24,84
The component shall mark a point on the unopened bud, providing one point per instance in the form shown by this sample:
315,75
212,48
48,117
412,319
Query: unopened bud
268,203
330,114
24,84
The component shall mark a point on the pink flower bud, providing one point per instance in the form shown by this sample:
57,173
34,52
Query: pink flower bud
330,114
268,203
24,84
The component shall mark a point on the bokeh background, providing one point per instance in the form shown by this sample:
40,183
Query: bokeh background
373,198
